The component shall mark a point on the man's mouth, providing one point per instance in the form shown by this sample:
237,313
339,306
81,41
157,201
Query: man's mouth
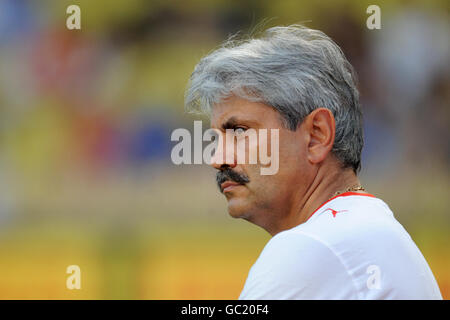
228,179
228,186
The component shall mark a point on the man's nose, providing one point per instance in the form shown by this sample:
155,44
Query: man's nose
224,155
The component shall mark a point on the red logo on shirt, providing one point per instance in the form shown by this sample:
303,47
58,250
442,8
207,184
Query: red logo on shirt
334,211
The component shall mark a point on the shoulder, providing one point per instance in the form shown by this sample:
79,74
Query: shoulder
351,219
365,235
294,265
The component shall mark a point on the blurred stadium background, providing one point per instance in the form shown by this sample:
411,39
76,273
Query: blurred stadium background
85,123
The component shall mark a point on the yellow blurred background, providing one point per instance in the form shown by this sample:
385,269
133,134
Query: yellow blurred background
85,121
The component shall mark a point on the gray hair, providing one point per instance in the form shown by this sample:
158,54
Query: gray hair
293,69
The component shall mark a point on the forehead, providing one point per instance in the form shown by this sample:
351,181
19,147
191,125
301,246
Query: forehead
240,110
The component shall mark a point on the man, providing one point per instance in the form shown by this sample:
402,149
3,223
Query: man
331,239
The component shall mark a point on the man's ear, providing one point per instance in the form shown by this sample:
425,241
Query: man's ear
320,128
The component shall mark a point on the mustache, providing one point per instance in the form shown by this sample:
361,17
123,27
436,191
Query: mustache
228,174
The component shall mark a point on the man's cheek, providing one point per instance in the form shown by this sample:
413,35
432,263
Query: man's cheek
267,150
247,148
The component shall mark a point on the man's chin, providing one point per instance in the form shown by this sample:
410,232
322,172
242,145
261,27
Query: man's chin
238,208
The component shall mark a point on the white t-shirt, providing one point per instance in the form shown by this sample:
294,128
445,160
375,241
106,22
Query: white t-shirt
351,247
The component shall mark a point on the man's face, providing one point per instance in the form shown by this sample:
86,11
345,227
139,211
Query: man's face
262,199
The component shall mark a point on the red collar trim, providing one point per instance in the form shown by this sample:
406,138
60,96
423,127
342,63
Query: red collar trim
345,194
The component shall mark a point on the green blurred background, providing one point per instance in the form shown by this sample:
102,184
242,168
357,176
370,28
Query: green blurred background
85,123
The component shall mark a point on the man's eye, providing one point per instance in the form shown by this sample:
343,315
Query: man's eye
239,130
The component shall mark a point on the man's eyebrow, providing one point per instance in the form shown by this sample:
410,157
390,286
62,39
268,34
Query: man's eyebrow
230,123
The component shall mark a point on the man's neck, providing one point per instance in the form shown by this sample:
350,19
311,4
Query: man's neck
324,186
